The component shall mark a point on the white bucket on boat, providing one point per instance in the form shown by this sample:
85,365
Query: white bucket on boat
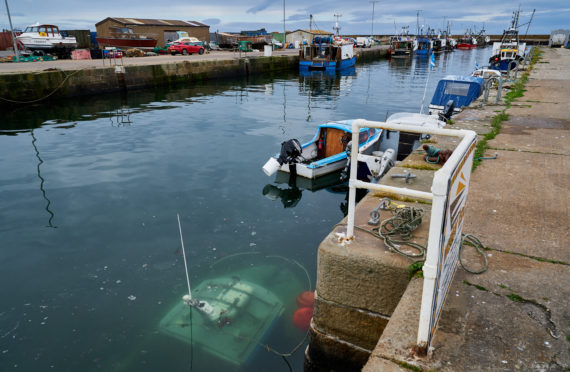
271,166
267,50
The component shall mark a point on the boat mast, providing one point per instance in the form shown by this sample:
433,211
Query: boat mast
336,26
284,32
373,3
12,31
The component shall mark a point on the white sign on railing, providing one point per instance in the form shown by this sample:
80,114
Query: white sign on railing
448,196
443,247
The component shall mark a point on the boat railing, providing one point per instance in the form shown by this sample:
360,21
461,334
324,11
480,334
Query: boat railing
448,197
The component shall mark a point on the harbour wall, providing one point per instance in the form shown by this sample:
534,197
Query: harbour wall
54,83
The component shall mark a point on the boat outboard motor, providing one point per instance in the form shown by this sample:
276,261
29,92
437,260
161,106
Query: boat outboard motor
445,115
344,175
387,161
290,153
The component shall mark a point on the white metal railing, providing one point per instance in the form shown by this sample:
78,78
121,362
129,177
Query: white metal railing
448,195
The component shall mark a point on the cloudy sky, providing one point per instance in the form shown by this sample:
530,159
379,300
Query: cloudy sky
236,15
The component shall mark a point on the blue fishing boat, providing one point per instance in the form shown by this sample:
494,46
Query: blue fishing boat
509,52
425,46
462,90
326,53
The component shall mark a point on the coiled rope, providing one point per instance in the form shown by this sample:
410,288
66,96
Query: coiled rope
404,221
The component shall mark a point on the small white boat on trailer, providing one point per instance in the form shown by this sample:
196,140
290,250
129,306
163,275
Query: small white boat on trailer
47,39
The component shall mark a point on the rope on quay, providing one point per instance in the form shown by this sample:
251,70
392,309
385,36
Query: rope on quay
55,90
404,221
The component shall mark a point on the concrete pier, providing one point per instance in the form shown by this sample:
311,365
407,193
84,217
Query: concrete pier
31,81
515,315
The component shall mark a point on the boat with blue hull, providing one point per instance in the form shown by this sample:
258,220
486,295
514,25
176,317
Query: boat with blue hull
425,46
326,152
509,52
462,90
326,53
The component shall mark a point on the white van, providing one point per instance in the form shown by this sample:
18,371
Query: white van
363,42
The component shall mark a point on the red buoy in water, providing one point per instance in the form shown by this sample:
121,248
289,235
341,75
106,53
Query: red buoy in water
306,299
302,318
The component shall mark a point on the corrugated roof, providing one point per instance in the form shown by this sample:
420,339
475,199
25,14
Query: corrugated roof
314,32
155,22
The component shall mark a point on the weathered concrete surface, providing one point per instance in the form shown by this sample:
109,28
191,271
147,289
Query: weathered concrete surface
400,334
365,264
515,316
519,203
359,284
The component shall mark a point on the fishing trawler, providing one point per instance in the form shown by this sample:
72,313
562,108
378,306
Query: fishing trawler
509,52
326,53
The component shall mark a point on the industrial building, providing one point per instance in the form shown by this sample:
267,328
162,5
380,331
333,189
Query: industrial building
163,30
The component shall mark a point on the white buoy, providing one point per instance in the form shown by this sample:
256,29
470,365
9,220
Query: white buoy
271,166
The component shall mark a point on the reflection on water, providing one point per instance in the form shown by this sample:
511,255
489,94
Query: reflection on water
108,274
42,181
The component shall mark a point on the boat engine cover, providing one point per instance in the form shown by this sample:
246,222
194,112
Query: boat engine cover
290,151
445,115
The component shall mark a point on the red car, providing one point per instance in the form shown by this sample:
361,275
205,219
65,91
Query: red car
185,48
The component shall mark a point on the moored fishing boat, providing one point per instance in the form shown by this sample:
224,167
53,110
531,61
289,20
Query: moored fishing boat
425,46
509,52
326,53
401,46
467,42
45,38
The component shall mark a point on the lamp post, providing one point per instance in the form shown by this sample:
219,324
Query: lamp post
284,32
373,3
12,31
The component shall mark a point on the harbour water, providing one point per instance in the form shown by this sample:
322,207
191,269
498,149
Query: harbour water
90,188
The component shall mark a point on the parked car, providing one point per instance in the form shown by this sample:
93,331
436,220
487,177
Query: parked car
186,48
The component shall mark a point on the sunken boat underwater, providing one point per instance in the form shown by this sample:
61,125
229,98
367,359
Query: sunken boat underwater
326,152
228,317
461,90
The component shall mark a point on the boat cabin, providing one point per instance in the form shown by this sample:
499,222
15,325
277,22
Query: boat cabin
43,30
462,90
